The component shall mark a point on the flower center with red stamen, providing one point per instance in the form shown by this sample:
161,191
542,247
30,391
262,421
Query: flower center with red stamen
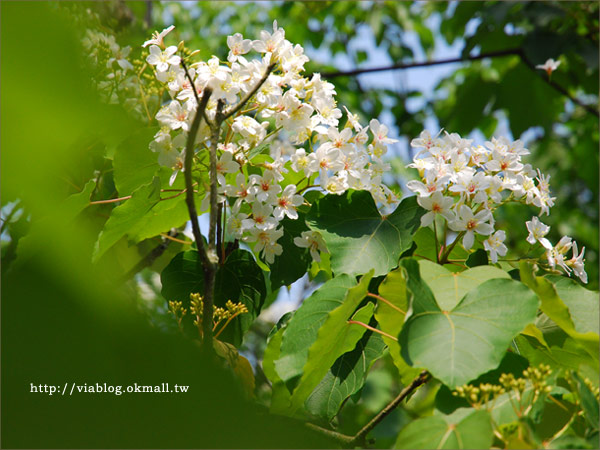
264,186
431,188
259,219
472,223
504,165
323,164
471,188
436,208
283,202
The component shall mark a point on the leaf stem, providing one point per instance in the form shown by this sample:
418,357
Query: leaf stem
368,327
386,301
437,244
444,258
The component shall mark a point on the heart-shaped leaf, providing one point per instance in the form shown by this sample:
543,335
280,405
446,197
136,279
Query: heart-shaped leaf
450,287
457,346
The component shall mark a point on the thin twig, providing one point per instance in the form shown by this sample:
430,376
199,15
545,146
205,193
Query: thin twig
557,86
359,439
420,380
179,241
193,88
211,272
234,109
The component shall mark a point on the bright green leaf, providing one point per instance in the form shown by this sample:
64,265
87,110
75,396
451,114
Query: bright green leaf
134,163
449,288
303,328
346,376
556,309
457,346
394,289
335,338
127,215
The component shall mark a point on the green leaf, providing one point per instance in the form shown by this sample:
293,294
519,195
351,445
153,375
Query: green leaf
134,163
568,355
556,309
457,346
160,219
294,261
581,302
280,396
346,377
65,213
394,289
464,429
358,237
303,328
239,280
335,338
589,403
126,216
477,258
512,363
449,288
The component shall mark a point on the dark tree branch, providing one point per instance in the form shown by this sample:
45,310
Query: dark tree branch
557,86
354,72
148,14
516,52
187,167
193,88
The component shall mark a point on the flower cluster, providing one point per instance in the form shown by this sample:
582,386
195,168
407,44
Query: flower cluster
263,177
113,72
465,183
